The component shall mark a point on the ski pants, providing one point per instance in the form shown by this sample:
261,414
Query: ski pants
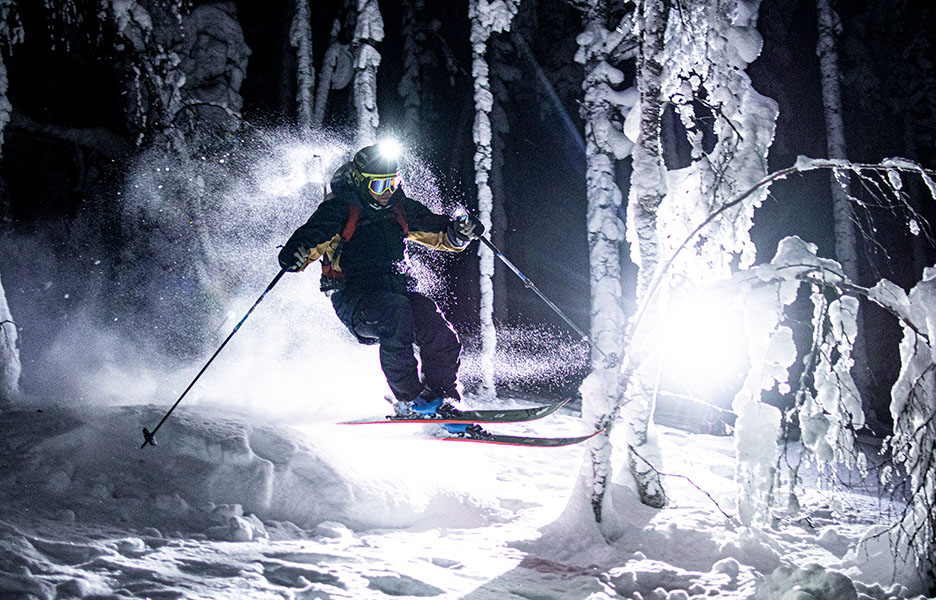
397,321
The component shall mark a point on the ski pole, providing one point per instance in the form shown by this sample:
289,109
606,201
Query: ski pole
610,359
150,436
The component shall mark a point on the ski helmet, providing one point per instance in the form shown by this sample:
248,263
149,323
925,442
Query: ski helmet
375,169
375,160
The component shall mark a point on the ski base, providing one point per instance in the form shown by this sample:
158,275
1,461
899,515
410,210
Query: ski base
507,415
517,440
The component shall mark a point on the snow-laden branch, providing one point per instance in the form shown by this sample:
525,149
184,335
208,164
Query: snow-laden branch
99,139
827,403
803,164
194,106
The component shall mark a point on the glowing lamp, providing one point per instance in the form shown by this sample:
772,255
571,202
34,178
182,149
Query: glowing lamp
390,149
702,343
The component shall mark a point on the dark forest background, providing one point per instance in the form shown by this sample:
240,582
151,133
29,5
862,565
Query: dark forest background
69,142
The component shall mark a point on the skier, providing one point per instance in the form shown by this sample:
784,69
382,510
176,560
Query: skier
358,231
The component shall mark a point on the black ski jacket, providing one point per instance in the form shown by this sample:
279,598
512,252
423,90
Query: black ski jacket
375,255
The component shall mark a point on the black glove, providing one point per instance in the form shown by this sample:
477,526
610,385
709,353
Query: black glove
294,260
464,229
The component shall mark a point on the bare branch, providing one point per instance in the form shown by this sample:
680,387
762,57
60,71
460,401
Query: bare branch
680,476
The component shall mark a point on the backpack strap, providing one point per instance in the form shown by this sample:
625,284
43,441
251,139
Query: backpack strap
332,277
354,215
401,218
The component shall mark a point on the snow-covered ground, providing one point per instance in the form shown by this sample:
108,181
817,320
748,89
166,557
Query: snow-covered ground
231,506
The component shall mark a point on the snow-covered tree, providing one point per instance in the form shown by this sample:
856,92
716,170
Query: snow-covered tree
11,32
147,33
846,242
827,411
647,189
913,444
487,17
300,36
213,60
368,32
337,71
410,86
502,74
10,366
603,111
693,59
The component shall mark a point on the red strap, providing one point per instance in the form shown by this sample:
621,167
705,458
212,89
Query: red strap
354,213
401,218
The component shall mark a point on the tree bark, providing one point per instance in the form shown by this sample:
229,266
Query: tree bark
846,242
648,181
10,366
648,188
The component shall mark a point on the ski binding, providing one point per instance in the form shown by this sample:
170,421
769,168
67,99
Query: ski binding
508,415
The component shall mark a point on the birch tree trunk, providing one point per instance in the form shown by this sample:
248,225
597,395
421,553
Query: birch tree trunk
486,17
301,39
368,31
846,242
603,110
10,366
6,111
647,190
648,180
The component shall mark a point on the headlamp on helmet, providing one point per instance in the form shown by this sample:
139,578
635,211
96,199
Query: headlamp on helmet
376,168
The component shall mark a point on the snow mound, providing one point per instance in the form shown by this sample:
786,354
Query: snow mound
229,506
813,581
220,476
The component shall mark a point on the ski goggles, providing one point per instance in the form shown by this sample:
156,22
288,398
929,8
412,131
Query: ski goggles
379,185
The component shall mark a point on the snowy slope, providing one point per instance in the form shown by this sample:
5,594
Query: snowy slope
229,507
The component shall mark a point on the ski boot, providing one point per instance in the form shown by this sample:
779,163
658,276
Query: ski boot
438,407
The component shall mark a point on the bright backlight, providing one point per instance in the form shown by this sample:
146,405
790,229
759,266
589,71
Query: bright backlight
703,347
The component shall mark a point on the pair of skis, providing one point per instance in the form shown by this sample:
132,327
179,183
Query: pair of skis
509,415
